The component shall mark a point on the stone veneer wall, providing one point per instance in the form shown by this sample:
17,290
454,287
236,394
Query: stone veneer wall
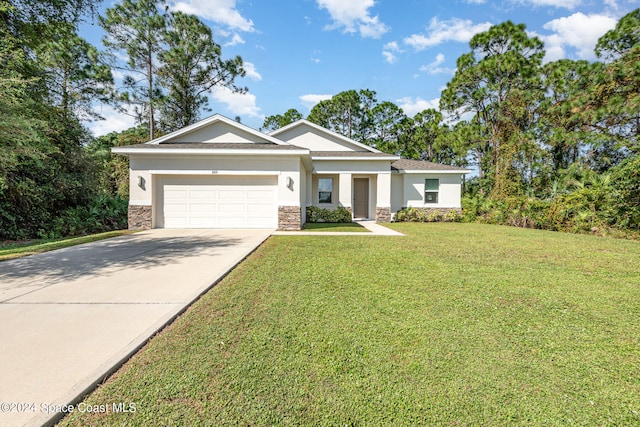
383,214
139,217
289,218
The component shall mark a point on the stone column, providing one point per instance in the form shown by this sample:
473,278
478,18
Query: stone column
289,218
383,214
139,217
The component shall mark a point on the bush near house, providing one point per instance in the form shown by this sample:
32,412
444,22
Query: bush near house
428,215
583,211
338,215
104,213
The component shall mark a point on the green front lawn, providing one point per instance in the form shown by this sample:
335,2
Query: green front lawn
453,324
330,226
20,249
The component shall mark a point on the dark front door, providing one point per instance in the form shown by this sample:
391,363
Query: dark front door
361,198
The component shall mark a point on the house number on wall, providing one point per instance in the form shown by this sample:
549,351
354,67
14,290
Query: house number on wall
214,171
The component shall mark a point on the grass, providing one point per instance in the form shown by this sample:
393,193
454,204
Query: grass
453,324
329,226
20,249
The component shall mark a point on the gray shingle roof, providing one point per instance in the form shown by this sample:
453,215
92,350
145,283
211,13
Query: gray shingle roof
422,165
349,154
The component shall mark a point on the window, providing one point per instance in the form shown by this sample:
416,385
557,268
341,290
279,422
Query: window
325,190
431,188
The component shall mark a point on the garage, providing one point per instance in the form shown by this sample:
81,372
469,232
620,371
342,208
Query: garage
217,202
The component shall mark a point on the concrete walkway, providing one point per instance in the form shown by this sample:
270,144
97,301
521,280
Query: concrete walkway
70,317
374,228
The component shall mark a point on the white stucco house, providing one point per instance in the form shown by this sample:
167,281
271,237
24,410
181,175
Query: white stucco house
219,173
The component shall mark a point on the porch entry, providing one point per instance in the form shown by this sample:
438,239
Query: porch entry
361,197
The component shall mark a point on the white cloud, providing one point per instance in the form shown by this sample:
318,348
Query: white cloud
435,68
114,121
567,4
372,27
389,51
353,15
316,56
251,71
411,106
221,12
235,40
476,1
611,3
456,29
389,57
393,46
553,46
578,31
240,104
312,99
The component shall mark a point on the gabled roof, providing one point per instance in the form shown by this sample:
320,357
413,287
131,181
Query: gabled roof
417,166
318,128
216,118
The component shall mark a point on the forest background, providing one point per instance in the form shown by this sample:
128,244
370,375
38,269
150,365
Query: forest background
553,145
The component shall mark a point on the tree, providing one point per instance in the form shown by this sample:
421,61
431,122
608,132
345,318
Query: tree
561,124
622,39
74,76
190,66
386,120
43,168
428,129
113,170
615,95
465,143
498,83
347,113
278,121
135,27
29,19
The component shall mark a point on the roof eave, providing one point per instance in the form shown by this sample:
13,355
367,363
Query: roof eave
206,152
315,158
445,171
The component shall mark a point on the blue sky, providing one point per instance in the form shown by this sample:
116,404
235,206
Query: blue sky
298,52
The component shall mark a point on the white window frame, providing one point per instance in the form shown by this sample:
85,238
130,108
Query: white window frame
436,192
320,191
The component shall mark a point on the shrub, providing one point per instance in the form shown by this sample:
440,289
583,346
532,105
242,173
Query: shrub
104,213
452,216
338,215
427,215
626,179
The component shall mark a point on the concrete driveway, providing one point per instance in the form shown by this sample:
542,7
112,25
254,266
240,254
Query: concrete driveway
70,317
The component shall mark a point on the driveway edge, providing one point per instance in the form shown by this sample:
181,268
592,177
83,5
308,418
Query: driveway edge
113,365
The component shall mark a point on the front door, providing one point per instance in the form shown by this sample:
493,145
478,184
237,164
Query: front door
361,198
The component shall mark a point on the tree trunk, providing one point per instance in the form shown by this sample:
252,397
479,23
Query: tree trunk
152,130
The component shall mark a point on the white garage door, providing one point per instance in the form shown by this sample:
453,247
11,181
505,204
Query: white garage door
218,202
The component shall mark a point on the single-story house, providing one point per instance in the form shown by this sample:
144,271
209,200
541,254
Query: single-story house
219,173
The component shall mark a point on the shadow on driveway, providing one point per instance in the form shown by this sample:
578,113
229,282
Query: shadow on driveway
137,251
